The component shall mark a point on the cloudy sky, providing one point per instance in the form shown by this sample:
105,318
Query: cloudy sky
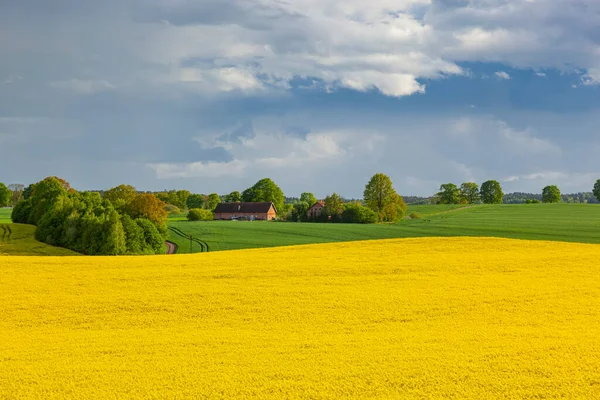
212,95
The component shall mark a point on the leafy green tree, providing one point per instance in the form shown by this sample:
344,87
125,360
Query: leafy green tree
28,192
469,193
178,198
551,194
5,195
381,197
233,197
153,237
265,190
309,198
16,190
299,211
596,190
20,213
449,194
121,196
195,201
213,201
491,192
334,207
135,241
45,194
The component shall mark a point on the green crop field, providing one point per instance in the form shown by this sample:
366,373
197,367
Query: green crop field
5,215
559,222
22,243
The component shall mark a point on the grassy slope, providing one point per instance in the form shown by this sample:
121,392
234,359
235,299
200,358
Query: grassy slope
5,215
560,222
22,243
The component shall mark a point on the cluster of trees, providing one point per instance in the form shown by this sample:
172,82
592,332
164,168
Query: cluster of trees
469,193
122,221
10,195
381,203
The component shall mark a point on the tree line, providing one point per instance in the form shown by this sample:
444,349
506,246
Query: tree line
121,221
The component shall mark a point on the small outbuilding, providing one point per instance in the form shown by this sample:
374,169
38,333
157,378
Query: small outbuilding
246,211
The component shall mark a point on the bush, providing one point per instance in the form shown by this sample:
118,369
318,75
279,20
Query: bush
535,201
171,209
20,214
415,215
357,214
198,214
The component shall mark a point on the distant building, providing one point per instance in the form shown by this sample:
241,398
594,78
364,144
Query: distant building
316,209
250,211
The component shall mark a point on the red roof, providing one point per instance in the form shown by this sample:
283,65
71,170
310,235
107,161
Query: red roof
242,208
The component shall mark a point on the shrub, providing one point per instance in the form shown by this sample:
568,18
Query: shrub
535,201
20,213
415,215
171,209
357,214
198,214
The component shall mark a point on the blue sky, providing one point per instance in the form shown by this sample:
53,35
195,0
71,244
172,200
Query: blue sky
316,94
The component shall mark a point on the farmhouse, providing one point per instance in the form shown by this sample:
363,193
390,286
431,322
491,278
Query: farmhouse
316,209
251,211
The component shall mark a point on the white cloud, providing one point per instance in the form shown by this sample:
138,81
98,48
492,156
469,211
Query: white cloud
541,74
12,79
266,151
502,75
223,79
592,77
83,86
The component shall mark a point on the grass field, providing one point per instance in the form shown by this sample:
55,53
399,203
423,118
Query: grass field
5,215
460,318
560,222
22,243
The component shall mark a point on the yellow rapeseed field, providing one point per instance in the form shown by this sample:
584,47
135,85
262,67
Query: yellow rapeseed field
458,318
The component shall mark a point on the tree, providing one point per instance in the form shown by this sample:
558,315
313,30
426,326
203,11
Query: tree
299,211
469,193
5,195
551,194
449,194
380,196
309,198
195,201
149,207
121,196
28,192
265,190
596,191
46,192
213,201
233,197
491,192
334,207
16,190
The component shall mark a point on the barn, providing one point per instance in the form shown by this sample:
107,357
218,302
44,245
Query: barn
246,211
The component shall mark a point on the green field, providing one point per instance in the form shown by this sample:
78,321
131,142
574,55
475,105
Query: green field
559,222
22,243
5,215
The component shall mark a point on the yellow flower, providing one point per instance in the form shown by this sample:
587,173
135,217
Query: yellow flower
462,318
